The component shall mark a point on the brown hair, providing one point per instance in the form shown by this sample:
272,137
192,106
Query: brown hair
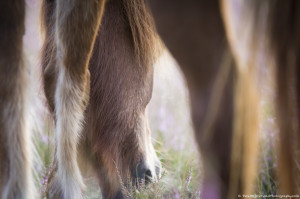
146,41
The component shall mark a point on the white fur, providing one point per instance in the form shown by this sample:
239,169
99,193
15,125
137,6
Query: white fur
151,158
69,114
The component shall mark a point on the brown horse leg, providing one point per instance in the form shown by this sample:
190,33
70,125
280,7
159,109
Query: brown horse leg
16,179
76,27
49,52
194,33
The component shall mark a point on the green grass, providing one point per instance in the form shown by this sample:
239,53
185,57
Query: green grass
266,182
180,176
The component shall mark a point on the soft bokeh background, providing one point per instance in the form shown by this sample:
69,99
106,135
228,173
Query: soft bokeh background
170,122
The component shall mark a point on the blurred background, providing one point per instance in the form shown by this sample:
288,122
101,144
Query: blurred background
169,115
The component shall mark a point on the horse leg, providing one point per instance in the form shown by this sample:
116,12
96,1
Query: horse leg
76,25
16,179
197,40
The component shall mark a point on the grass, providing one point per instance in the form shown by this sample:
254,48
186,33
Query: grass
180,179
181,171
180,176
266,182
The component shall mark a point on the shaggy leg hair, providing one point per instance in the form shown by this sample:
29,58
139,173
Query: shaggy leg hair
16,178
76,26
